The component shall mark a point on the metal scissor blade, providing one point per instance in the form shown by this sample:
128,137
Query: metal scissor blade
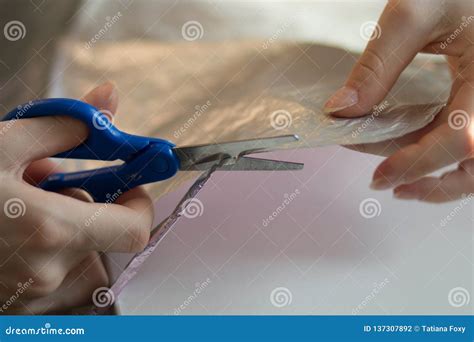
251,164
204,154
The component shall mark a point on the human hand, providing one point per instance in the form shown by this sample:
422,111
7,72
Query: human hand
407,27
49,242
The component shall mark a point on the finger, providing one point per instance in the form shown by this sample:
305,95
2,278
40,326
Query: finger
33,139
444,145
103,97
122,227
451,186
39,170
76,288
391,48
68,223
388,147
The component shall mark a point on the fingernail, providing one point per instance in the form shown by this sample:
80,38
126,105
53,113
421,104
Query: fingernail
403,194
113,93
109,86
110,91
380,184
344,98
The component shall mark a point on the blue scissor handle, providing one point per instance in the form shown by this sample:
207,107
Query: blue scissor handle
146,160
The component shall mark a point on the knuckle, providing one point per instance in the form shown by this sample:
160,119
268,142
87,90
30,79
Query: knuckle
372,66
408,9
50,236
44,284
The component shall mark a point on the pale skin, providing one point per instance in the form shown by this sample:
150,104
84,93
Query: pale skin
52,245
408,27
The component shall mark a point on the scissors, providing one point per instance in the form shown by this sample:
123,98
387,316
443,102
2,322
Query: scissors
145,159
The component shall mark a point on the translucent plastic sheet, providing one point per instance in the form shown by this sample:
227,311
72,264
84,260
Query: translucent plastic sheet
196,93
108,297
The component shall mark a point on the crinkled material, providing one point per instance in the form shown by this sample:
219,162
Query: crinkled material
196,93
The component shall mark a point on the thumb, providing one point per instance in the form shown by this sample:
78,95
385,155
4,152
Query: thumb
29,140
393,45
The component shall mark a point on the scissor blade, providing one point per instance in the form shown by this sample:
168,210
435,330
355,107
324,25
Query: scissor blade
251,164
205,154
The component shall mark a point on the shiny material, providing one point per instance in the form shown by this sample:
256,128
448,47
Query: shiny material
145,160
209,92
203,157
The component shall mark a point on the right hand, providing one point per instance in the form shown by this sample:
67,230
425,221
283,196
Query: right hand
50,241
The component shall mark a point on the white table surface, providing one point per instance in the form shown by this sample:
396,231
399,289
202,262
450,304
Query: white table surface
320,247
